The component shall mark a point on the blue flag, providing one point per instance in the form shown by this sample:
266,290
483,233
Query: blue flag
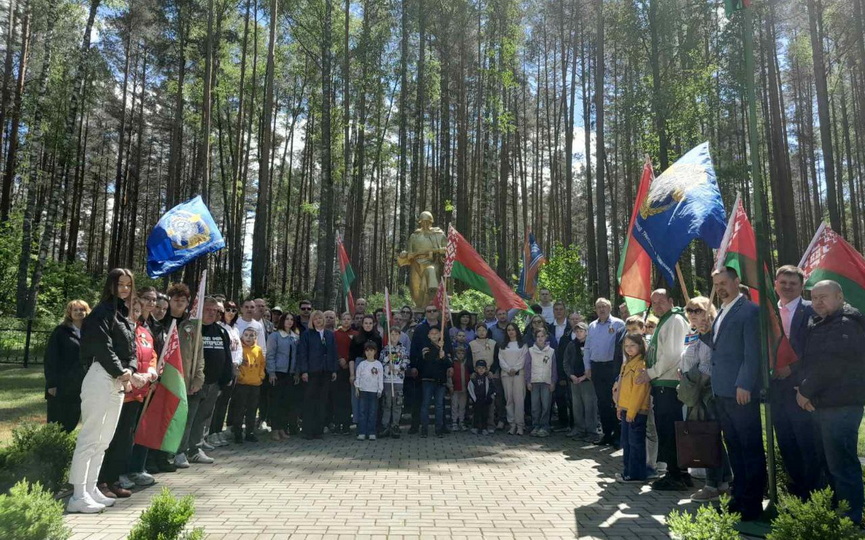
183,234
683,203
533,258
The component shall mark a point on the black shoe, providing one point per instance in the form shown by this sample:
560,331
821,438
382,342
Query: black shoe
606,440
293,430
394,432
445,429
166,466
307,437
412,431
615,446
669,483
250,437
318,436
238,437
424,433
440,434
686,478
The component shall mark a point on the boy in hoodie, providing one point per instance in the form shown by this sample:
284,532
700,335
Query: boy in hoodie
395,361
457,385
433,371
247,390
482,392
541,378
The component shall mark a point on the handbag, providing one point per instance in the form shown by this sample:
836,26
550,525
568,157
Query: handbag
698,443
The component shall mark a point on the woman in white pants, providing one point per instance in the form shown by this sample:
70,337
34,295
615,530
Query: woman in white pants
108,346
512,357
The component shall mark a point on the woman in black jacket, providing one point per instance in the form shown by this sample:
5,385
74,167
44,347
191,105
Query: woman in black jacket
108,353
63,370
366,332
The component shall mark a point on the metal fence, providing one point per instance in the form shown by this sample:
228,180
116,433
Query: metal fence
22,342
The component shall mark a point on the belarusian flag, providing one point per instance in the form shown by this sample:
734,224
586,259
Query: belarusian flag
466,265
732,6
829,256
164,417
346,272
635,267
739,251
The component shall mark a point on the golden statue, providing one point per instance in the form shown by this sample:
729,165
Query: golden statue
425,255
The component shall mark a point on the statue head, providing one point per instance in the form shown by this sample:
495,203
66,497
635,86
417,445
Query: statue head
425,218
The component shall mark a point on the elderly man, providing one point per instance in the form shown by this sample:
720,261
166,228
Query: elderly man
489,315
735,384
360,306
794,427
602,367
261,315
833,388
662,363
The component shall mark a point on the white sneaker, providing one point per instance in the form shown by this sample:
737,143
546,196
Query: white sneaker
205,445
263,426
513,430
125,482
181,462
99,498
142,479
706,493
486,432
226,438
455,427
201,457
372,437
84,505
361,437
543,433
500,425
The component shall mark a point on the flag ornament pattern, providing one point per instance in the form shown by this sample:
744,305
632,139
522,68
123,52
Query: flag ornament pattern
635,266
163,421
181,235
829,256
533,259
739,251
683,203
465,264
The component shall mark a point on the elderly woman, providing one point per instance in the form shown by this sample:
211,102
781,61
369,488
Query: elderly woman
695,390
63,370
316,363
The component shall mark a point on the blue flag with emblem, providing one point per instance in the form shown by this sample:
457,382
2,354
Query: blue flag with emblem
533,259
183,234
683,203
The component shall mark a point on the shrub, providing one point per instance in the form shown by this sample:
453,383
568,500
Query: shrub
166,518
39,453
798,520
29,512
709,523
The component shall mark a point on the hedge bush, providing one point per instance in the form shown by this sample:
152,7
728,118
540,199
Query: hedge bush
166,519
29,512
710,523
813,519
38,453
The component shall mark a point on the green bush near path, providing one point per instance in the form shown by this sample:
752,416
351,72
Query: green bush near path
30,512
166,519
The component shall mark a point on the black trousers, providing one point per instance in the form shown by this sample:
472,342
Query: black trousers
315,403
413,395
244,403
603,376
221,409
341,399
117,456
65,411
794,431
480,414
743,435
264,401
562,398
285,403
668,411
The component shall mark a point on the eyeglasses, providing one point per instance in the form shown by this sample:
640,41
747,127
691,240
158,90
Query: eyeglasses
306,309
695,310
231,310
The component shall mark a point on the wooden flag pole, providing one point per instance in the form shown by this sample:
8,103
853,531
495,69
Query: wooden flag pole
682,283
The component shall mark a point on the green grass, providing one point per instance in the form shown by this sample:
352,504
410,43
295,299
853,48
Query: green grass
22,392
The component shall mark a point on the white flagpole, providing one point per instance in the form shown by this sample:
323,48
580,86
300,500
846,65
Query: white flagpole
807,253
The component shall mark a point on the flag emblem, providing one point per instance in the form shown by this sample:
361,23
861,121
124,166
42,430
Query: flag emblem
187,230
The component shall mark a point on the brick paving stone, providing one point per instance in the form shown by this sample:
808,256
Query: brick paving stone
462,486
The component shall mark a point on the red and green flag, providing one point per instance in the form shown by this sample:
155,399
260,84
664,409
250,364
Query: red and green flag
732,6
635,267
465,264
739,251
829,256
164,418
346,273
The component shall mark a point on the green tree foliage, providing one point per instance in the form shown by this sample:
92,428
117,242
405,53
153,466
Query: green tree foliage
565,276
30,512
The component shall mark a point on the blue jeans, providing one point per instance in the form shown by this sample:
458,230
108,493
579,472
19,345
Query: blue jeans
634,446
355,407
837,429
794,431
368,405
433,389
542,401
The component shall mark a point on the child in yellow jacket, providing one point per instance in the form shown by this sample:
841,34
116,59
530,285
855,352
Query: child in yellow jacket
632,408
250,375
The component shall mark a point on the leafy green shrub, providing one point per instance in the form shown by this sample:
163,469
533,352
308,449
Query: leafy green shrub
813,519
166,518
30,512
38,453
708,524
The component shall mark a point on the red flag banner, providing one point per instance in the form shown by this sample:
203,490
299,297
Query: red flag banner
635,267
829,256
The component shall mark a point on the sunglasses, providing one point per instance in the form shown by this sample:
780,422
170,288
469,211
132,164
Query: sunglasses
695,310
231,310
306,309
432,311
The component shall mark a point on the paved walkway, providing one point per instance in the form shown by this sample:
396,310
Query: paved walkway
461,486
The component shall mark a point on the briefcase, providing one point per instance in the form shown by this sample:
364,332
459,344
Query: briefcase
698,444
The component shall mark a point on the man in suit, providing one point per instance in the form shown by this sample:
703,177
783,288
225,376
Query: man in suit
794,427
736,384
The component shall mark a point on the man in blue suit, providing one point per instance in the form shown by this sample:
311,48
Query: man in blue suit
736,386
794,427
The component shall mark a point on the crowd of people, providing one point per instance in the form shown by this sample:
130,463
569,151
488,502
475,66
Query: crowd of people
621,382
